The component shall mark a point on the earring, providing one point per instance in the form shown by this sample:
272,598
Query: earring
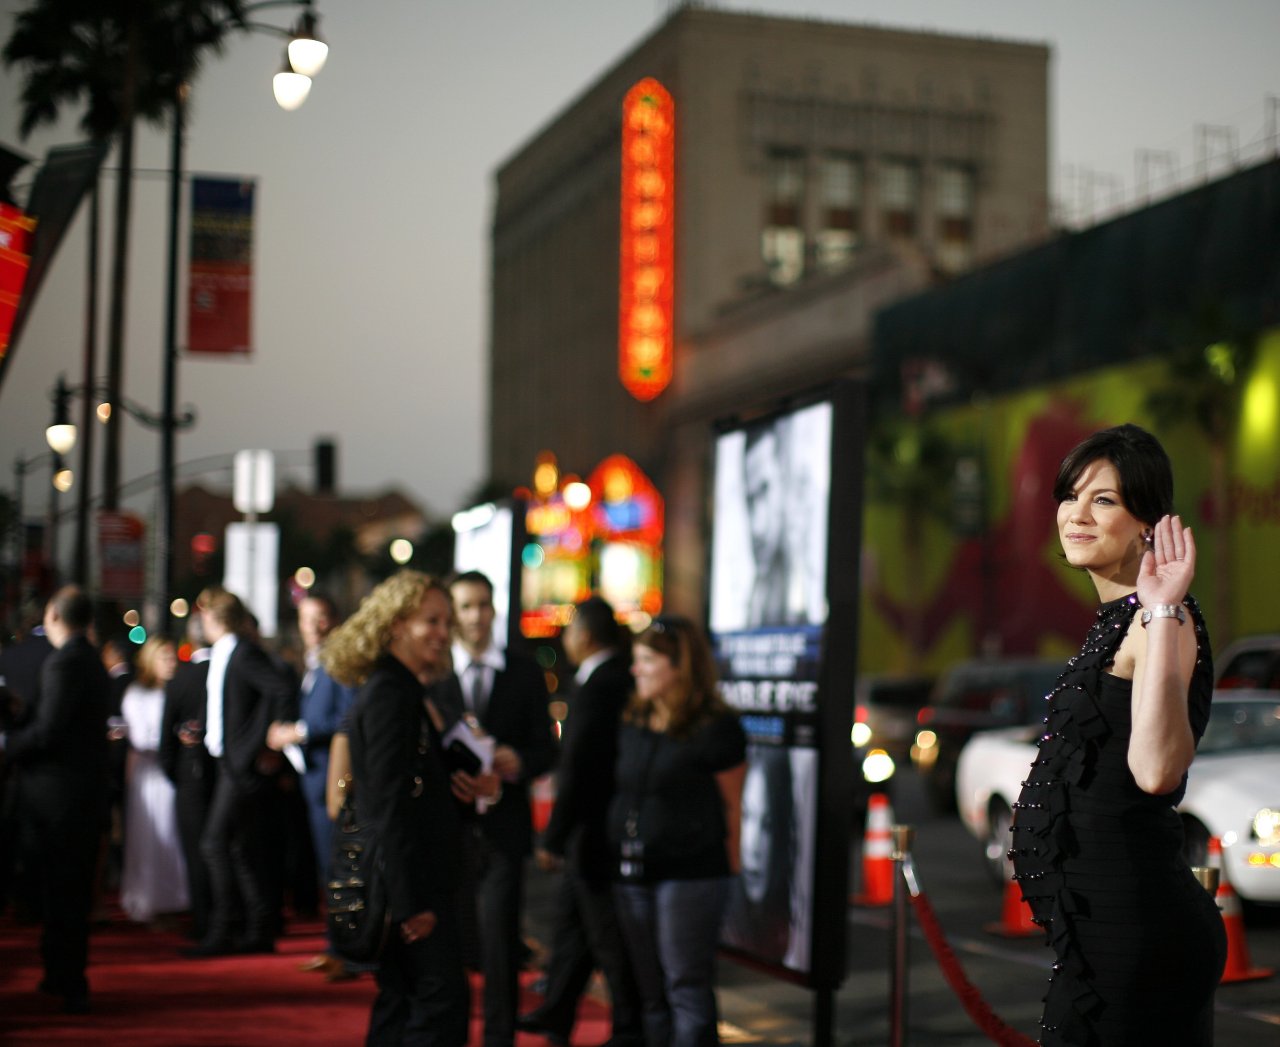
1148,538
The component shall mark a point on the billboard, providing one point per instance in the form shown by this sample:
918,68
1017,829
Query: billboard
782,585
485,540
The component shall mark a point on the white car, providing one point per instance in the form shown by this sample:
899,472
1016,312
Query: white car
1233,791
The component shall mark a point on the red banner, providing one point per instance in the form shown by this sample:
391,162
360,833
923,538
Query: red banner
121,555
16,228
220,277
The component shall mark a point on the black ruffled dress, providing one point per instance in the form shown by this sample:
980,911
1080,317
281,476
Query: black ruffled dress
1140,944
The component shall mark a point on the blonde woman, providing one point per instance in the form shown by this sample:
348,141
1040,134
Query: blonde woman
395,648
673,823
154,878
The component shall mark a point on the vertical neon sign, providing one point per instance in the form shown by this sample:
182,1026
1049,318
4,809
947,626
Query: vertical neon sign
647,270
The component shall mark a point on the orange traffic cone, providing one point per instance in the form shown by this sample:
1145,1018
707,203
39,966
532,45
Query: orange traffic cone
542,798
1239,967
1015,916
877,854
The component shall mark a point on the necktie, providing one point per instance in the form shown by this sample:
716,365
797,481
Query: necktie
476,697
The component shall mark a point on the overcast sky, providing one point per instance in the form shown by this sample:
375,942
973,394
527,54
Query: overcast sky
374,200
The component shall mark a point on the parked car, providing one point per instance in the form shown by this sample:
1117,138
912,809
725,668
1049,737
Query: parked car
885,711
1253,661
1233,791
974,696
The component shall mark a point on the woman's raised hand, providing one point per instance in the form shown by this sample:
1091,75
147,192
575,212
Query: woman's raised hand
1165,574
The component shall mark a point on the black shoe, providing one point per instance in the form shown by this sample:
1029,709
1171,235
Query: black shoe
210,947
255,946
532,1023
76,1003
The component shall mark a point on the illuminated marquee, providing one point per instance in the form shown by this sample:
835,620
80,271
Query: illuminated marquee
15,259
647,271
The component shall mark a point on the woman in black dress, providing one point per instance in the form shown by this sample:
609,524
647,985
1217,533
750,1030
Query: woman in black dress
1097,845
396,647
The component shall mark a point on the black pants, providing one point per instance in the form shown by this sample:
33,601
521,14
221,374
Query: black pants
193,796
585,935
423,997
498,876
232,848
64,855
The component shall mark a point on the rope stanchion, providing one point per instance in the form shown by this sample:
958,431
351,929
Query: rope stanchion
995,1028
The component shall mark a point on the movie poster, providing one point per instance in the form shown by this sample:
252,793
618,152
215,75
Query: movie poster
768,612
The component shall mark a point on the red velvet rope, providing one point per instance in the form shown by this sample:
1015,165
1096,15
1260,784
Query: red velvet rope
975,1006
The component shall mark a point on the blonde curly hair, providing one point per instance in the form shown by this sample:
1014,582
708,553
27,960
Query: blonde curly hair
351,650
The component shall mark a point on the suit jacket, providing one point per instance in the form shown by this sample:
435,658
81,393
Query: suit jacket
253,693
584,781
516,715
61,748
402,789
323,709
185,701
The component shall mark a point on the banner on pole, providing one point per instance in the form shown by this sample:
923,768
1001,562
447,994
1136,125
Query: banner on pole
220,275
121,555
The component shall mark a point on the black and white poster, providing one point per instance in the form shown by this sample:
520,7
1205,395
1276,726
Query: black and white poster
768,613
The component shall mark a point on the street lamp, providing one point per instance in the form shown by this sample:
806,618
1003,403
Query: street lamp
62,435
305,56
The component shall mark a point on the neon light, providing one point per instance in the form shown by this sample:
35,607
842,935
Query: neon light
646,337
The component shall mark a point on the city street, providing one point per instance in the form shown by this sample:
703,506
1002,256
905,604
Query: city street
1010,974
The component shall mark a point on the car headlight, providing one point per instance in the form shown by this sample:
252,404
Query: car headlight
1266,827
878,766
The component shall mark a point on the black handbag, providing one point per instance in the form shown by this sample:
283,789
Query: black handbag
358,915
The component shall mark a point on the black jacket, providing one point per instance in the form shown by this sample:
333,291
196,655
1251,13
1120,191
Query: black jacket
253,692
402,790
61,747
585,779
185,701
516,716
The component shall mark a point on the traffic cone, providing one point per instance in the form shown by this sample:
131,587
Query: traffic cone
877,854
1015,915
1239,967
542,798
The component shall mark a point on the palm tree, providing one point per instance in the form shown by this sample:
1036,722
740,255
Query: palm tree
122,59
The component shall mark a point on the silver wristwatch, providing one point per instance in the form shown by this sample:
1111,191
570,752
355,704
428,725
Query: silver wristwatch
1163,610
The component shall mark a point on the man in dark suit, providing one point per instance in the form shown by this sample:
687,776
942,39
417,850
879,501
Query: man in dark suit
61,752
322,706
585,930
243,693
506,694
193,772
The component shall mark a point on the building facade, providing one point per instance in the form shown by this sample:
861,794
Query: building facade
822,170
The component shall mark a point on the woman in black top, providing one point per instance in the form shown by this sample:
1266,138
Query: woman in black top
673,824
1097,844
396,647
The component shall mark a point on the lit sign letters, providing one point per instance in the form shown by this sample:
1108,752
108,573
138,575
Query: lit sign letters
647,271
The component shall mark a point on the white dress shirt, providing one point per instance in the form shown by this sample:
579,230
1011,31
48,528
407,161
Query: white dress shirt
476,675
219,656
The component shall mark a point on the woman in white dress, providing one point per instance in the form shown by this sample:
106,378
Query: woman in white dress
154,880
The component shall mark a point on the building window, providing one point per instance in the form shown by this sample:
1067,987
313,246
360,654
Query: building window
782,242
841,206
899,197
955,217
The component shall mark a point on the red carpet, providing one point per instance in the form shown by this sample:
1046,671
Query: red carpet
146,995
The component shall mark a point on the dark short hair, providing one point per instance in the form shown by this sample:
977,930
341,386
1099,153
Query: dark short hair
1146,476
595,617
472,578
73,607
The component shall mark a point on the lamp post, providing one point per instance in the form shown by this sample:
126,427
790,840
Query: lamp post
62,435
60,479
305,56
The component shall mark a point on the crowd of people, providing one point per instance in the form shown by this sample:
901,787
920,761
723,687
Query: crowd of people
204,786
